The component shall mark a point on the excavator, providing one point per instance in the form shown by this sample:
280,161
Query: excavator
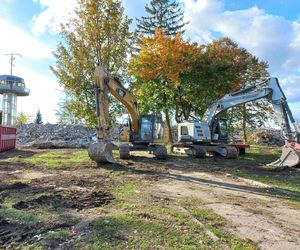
209,135
143,132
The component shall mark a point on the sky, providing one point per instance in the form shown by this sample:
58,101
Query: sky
269,29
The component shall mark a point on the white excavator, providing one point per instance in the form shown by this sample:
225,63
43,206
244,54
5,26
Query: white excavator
199,137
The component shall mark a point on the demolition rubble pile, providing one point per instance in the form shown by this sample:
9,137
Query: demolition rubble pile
265,136
270,137
56,135
80,136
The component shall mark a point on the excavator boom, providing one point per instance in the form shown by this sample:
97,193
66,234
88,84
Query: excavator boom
101,151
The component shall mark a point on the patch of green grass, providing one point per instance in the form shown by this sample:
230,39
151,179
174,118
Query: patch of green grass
55,159
59,234
121,230
135,221
115,153
261,154
22,217
289,187
216,224
14,196
290,183
285,182
39,243
127,194
16,180
127,188
294,204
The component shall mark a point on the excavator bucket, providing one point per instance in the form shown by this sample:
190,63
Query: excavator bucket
101,152
290,157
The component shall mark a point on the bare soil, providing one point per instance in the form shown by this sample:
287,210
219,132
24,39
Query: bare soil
70,197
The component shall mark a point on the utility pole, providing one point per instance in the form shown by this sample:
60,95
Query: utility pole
11,60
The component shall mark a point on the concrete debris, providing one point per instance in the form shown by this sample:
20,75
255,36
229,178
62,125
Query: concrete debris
80,136
57,135
271,137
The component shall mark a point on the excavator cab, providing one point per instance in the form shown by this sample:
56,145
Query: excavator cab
220,130
151,129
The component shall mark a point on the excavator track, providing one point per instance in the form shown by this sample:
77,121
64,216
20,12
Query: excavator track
160,152
232,152
124,151
200,151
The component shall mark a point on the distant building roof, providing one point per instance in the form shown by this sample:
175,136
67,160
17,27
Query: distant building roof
11,78
14,85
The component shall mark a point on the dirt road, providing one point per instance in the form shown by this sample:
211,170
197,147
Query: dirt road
59,199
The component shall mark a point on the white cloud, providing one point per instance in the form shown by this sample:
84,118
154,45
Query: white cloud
45,94
290,84
44,89
54,13
272,38
24,43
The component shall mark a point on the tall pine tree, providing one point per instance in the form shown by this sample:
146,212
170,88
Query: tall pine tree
38,119
165,14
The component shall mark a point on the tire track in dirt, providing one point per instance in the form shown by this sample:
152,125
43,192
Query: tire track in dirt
251,212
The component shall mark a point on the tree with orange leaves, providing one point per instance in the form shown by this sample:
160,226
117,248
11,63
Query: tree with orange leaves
157,68
184,79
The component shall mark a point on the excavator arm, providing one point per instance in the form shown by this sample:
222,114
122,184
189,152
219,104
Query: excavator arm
283,113
233,99
105,83
274,94
101,152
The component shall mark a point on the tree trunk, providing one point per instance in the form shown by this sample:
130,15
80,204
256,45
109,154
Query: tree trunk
166,111
244,124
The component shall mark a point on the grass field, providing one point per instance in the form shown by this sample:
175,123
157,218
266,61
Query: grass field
59,198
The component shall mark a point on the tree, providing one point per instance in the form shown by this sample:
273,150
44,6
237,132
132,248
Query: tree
99,32
223,67
157,68
22,118
254,114
178,78
215,71
38,118
164,14
64,113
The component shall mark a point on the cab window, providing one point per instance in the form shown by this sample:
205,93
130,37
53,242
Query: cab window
146,128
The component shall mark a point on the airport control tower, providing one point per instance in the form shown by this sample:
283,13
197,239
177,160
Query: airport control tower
10,88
